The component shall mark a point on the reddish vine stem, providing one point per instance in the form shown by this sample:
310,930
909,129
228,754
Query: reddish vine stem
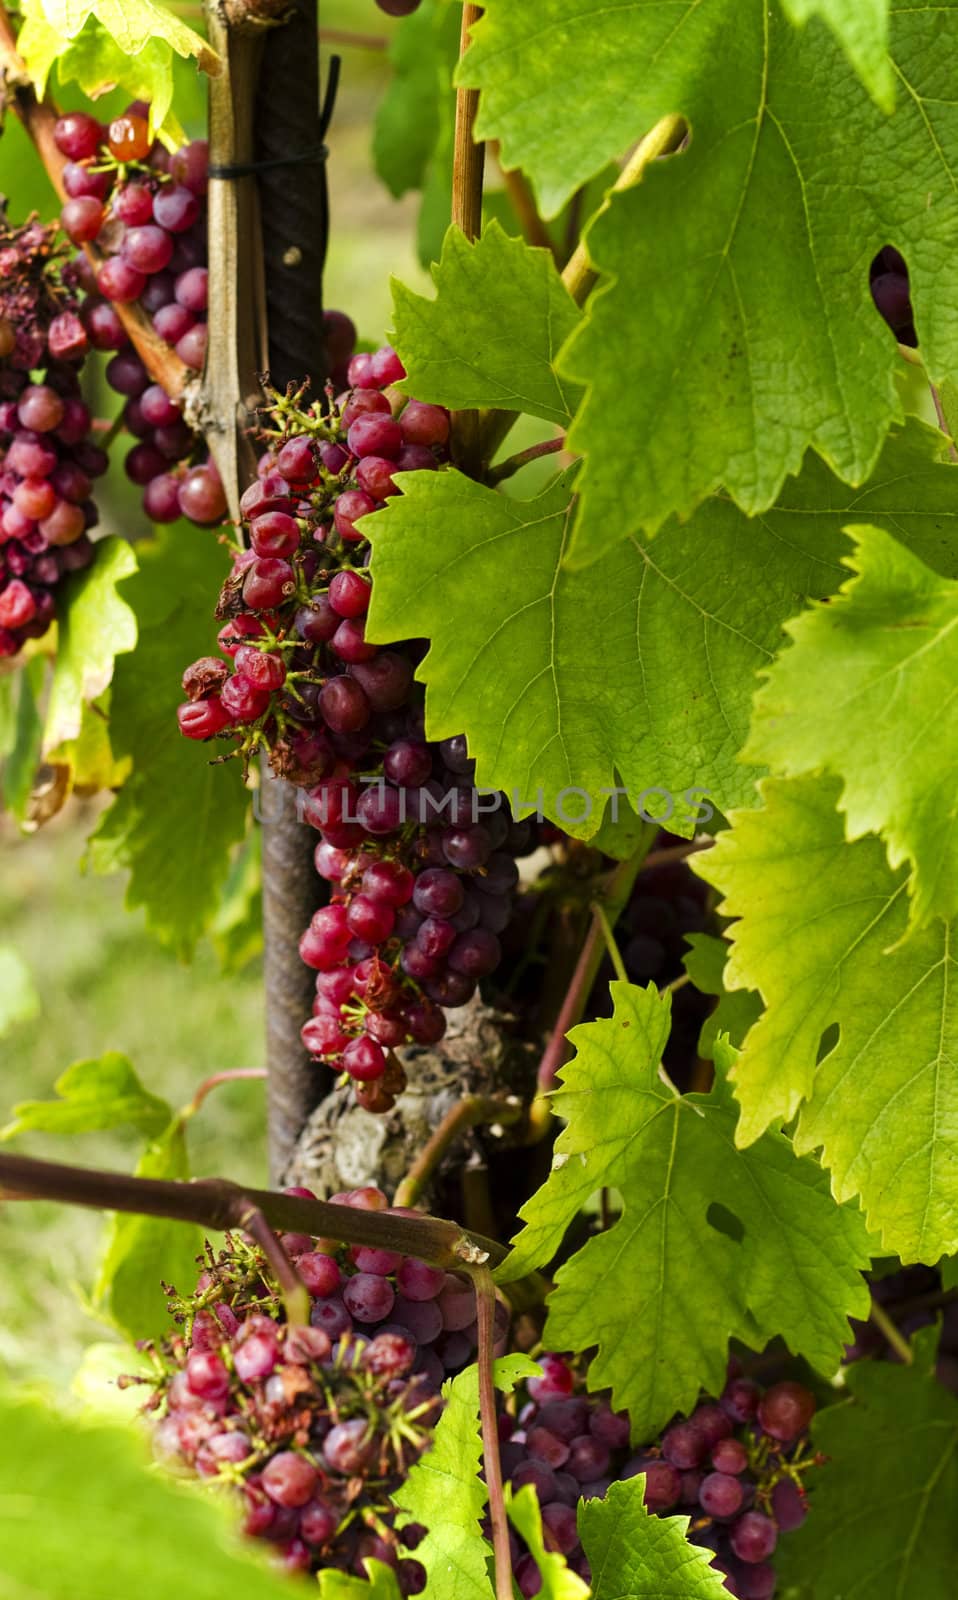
39,118
514,464
612,900
469,1113
489,1423
220,1204
293,1289
677,852
230,1075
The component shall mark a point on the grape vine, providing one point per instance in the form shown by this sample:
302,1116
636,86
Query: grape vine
540,699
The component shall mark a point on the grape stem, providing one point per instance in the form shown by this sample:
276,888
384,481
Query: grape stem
615,954
507,468
678,852
221,1204
469,1113
579,275
612,900
39,118
489,1422
231,1075
523,203
895,1338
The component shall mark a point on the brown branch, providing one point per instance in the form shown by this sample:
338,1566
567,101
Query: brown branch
39,118
469,1113
489,1422
220,1204
361,41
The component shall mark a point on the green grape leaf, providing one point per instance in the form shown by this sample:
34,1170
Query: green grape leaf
89,757
22,757
178,852
717,354
820,935
236,931
141,1254
559,1582
490,336
443,1490
635,1555
640,676
736,1010
673,1160
95,1094
881,1509
112,1530
861,26
867,692
19,1001
422,52
949,1272
102,43
381,1583
96,624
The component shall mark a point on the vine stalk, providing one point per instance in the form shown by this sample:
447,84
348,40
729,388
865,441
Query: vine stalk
220,1204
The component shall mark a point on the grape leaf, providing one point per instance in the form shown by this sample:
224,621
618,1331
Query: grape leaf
103,1092
22,757
640,675
736,1010
490,336
112,1530
141,1254
422,52
178,851
89,757
635,1555
862,28
96,624
559,1582
821,937
779,332
443,1490
381,1584
867,692
236,931
881,1510
795,1270
19,1001
102,43
97,63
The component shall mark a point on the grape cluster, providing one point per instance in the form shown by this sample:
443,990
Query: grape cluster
47,460
145,210
734,1467
890,292
421,867
314,1426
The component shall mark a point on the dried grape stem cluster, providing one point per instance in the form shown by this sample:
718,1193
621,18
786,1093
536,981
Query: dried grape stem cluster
145,210
422,868
735,1468
316,1426
48,460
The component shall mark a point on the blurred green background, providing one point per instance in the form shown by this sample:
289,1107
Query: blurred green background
101,980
